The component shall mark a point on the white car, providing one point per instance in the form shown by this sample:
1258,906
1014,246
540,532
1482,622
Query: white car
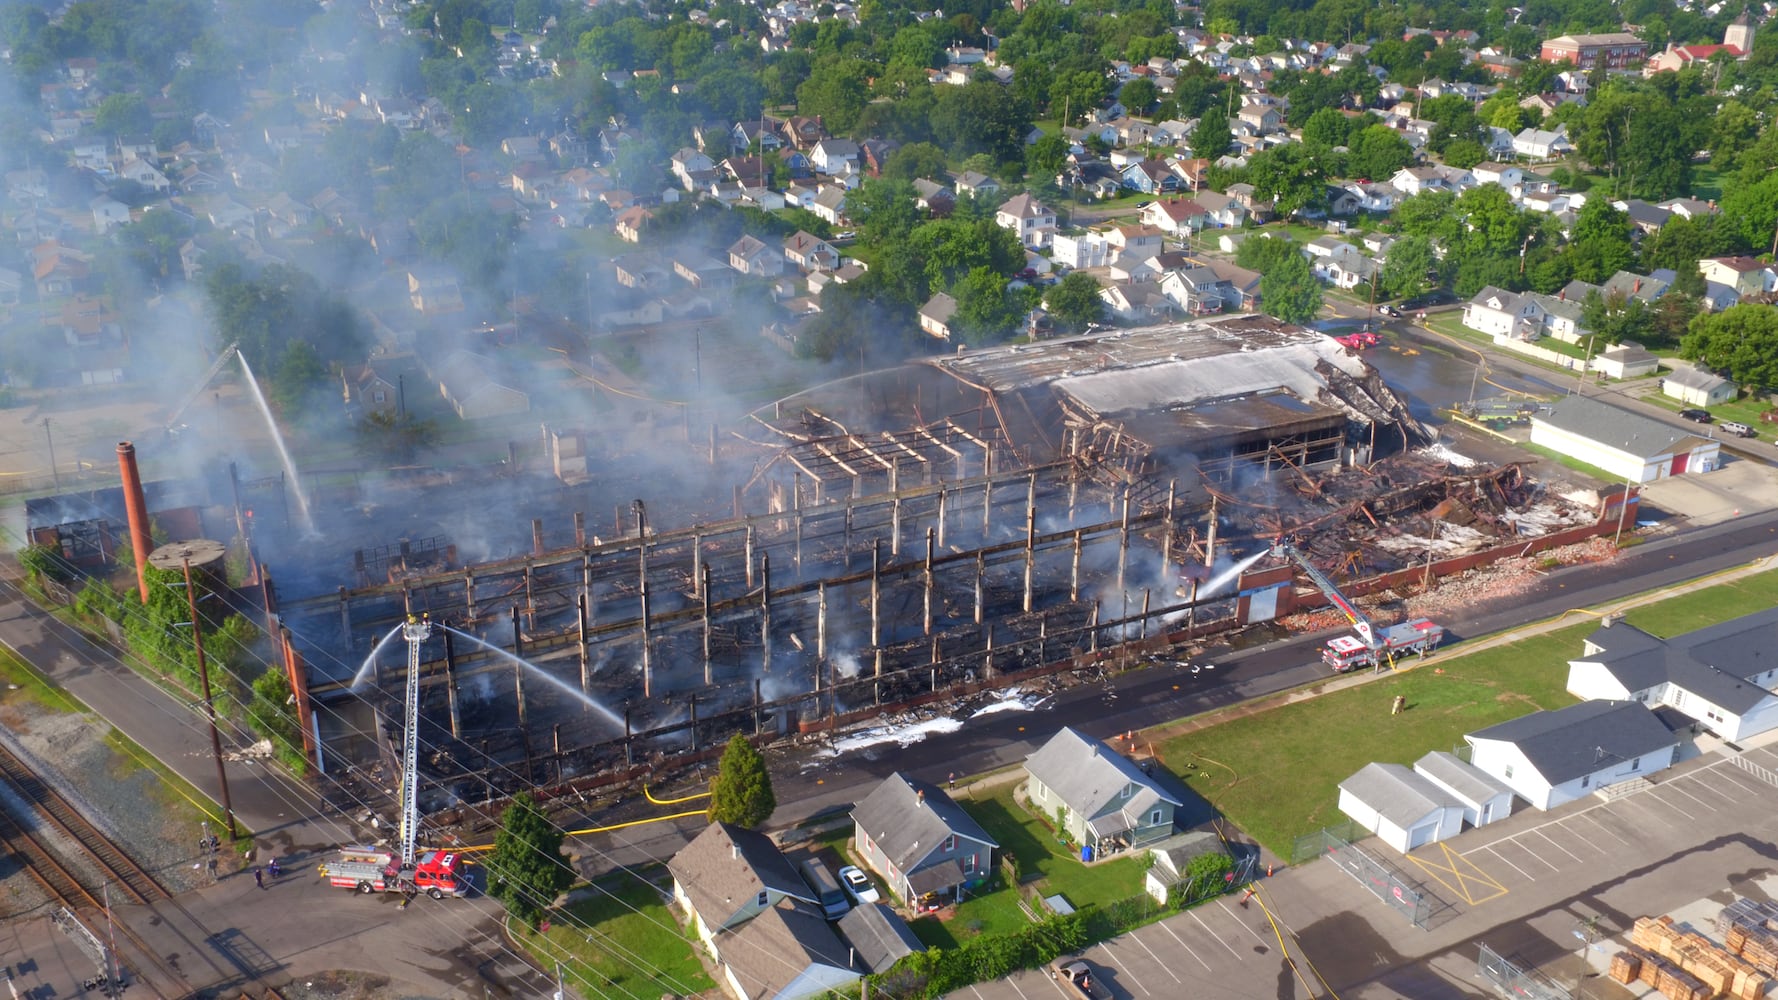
858,885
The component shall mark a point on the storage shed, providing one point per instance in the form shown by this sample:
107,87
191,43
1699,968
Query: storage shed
1484,797
1627,445
1403,808
1697,387
1625,361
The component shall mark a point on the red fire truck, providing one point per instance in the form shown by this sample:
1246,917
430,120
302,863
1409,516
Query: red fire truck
1373,647
372,869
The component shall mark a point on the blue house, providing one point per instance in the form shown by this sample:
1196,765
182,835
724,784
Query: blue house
1151,177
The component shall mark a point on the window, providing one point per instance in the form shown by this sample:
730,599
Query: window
950,844
1154,818
1126,791
968,864
1585,780
1508,773
1635,763
380,396
763,899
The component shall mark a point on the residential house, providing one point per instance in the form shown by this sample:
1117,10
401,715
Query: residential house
752,256
787,952
688,163
145,174
1151,177
58,270
522,147
283,138
762,135
1690,208
1198,291
1376,198
975,184
1136,301
1175,216
1098,797
1541,144
1561,317
1131,243
1034,222
1504,315
1241,291
1261,118
108,213
1224,211
1645,217
1746,275
1247,196
830,205
631,222
471,384
700,270
1628,445
1625,361
368,389
1555,757
1078,250
728,875
1698,387
1418,180
1722,676
1503,174
1401,806
809,253
1644,287
1349,271
434,293
923,844
935,315
834,156
933,198
804,132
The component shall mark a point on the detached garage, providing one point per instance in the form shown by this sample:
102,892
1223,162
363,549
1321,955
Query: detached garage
1403,808
1627,445
1485,798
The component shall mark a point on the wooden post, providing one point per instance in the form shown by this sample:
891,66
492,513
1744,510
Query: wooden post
698,577
705,588
580,529
586,670
941,516
1167,529
926,616
981,569
820,627
1074,573
987,506
451,684
765,611
469,594
895,508
750,557
876,570
1030,541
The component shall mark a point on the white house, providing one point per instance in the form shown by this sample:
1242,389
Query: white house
787,953
1625,361
1504,315
728,875
108,213
1628,445
1538,144
1079,250
1025,215
935,315
834,156
1504,174
1484,798
1721,676
1402,807
1551,758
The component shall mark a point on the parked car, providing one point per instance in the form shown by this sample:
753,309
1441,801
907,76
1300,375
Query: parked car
1079,975
858,885
1739,430
1389,311
1700,416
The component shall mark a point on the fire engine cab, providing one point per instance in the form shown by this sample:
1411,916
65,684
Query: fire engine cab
371,869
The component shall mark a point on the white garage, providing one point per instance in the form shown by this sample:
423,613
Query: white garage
1627,445
1403,808
1485,798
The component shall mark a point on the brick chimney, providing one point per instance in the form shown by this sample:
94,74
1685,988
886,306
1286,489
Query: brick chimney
136,507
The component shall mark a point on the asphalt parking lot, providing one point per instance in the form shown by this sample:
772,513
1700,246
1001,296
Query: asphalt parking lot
1526,886
1219,950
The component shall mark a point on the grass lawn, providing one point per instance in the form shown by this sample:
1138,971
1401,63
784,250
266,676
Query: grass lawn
1276,774
1048,868
1746,409
602,940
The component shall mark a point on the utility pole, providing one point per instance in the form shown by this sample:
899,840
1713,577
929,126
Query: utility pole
197,642
47,436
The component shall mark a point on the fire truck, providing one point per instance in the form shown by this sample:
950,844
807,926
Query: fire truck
1371,647
372,869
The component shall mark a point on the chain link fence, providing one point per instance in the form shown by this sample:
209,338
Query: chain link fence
1405,895
1509,980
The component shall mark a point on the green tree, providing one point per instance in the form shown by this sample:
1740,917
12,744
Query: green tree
1616,317
271,715
837,92
1464,153
1290,177
915,160
1742,340
527,869
1376,152
1138,96
1211,139
742,792
1326,127
123,115
1074,302
1407,267
987,312
1289,290
1045,158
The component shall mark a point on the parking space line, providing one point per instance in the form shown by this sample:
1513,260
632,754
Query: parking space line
1742,780
1521,845
1215,935
1223,902
1697,778
1596,821
1508,863
1673,786
1654,794
1584,839
1557,846
1123,969
1165,967
1193,951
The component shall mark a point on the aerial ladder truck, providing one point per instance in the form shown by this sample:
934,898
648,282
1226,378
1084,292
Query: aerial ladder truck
1372,647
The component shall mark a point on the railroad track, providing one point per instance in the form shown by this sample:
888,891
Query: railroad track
45,863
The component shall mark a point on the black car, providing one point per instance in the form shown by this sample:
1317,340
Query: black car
1701,416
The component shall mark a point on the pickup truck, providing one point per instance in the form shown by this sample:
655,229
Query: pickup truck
1079,975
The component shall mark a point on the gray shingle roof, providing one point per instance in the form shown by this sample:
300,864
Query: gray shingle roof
879,936
1714,663
1582,739
1088,775
1399,795
1617,428
768,952
1464,779
725,866
1697,378
907,826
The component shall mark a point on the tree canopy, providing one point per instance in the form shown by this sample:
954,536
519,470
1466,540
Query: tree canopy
742,792
1741,341
527,869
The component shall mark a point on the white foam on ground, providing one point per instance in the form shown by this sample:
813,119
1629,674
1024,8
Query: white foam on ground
1011,701
906,736
1444,454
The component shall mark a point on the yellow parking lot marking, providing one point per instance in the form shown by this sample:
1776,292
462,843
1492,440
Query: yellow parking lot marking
1460,875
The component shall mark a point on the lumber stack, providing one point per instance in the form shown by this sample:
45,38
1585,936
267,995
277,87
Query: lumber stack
1680,964
1626,967
1750,929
